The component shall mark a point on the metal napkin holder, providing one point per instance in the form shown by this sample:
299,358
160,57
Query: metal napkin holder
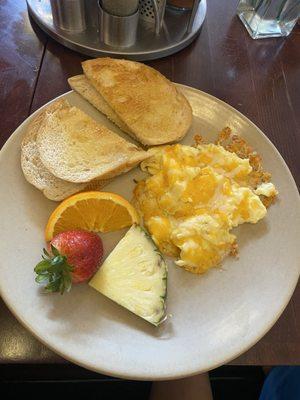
115,30
154,30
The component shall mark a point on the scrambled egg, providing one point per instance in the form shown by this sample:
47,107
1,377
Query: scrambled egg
193,199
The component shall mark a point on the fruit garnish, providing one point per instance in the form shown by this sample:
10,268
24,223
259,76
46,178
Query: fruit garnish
91,211
73,257
134,275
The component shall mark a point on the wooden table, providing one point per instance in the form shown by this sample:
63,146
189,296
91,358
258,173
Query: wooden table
259,78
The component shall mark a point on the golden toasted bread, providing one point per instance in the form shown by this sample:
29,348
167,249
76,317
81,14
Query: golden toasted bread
75,148
34,170
81,85
148,103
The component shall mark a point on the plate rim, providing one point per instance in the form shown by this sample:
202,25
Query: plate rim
188,371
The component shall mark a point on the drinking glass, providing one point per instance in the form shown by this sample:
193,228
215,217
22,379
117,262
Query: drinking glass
269,18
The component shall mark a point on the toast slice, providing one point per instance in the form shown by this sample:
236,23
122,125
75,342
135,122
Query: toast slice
34,170
75,148
81,85
38,175
148,103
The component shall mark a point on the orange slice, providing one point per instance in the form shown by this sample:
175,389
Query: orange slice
91,211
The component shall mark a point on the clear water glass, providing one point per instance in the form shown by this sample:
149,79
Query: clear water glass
269,18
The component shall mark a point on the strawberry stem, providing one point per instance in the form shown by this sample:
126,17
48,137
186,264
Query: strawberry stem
54,272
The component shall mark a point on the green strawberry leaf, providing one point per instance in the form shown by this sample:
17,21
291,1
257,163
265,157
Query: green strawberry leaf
54,272
54,250
41,266
46,253
41,278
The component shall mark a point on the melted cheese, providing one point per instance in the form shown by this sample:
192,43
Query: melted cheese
192,200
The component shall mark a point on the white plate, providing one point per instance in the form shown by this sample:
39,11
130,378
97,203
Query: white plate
215,317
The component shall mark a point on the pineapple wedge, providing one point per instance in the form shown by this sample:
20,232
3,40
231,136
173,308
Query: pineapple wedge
134,275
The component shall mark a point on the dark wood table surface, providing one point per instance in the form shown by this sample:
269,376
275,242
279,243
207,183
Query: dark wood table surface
259,78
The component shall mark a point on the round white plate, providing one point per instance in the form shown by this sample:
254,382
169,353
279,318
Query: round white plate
215,317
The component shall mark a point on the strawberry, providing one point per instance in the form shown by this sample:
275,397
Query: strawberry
72,257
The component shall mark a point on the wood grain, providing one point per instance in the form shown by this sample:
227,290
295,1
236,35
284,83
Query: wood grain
259,78
58,65
21,54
